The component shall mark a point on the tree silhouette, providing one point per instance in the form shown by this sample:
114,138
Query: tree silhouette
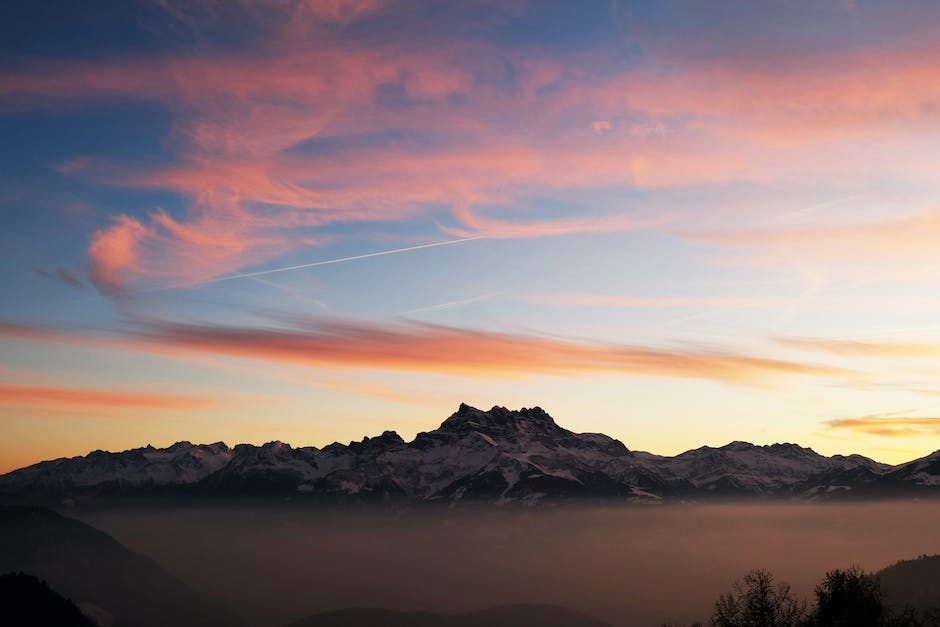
850,598
756,601
931,616
844,598
25,601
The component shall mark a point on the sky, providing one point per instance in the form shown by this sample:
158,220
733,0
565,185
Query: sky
677,223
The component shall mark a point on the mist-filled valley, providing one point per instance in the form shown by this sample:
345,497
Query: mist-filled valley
635,565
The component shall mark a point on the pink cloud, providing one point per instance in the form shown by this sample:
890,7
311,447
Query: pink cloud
242,123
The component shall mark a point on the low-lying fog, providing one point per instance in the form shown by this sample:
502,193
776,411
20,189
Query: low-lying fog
629,566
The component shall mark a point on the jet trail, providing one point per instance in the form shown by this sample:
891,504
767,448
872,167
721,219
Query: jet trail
327,262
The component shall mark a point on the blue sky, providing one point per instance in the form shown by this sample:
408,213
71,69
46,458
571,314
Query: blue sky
676,223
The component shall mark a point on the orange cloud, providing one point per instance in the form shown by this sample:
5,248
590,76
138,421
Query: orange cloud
65,398
426,348
18,331
899,350
438,349
891,426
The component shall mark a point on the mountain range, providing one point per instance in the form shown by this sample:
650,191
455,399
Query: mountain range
496,456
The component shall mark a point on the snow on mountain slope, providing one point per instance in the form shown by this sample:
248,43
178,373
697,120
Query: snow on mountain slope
923,473
505,454
741,467
490,456
183,463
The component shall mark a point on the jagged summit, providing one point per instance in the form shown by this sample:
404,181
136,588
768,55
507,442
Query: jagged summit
780,447
388,439
500,420
737,445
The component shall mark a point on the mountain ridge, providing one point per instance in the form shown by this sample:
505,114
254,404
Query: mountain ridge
498,455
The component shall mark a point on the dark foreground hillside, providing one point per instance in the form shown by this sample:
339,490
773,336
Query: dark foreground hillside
90,567
25,601
913,582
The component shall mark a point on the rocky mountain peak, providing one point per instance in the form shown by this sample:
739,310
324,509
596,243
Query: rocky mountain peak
387,441
501,421
738,446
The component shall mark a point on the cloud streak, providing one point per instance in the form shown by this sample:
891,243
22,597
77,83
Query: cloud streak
852,348
888,426
449,350
611,300
17,395
62,275
433,349
909,237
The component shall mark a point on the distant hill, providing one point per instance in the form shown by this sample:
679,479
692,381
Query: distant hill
91,567
496,456
25,601
913,582
506,616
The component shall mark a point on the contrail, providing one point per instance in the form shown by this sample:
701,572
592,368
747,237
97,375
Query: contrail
787,215
327,262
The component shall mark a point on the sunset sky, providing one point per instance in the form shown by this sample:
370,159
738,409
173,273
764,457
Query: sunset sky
677,223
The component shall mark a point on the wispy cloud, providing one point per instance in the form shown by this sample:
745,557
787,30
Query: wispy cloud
244,125
888,425
476,224
611,300
62,275
451,304
909,237
895,350
12,394
422,398
426,348
439,349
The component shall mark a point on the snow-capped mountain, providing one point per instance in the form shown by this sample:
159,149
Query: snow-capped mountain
911,478
484,456
774,470
181,464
